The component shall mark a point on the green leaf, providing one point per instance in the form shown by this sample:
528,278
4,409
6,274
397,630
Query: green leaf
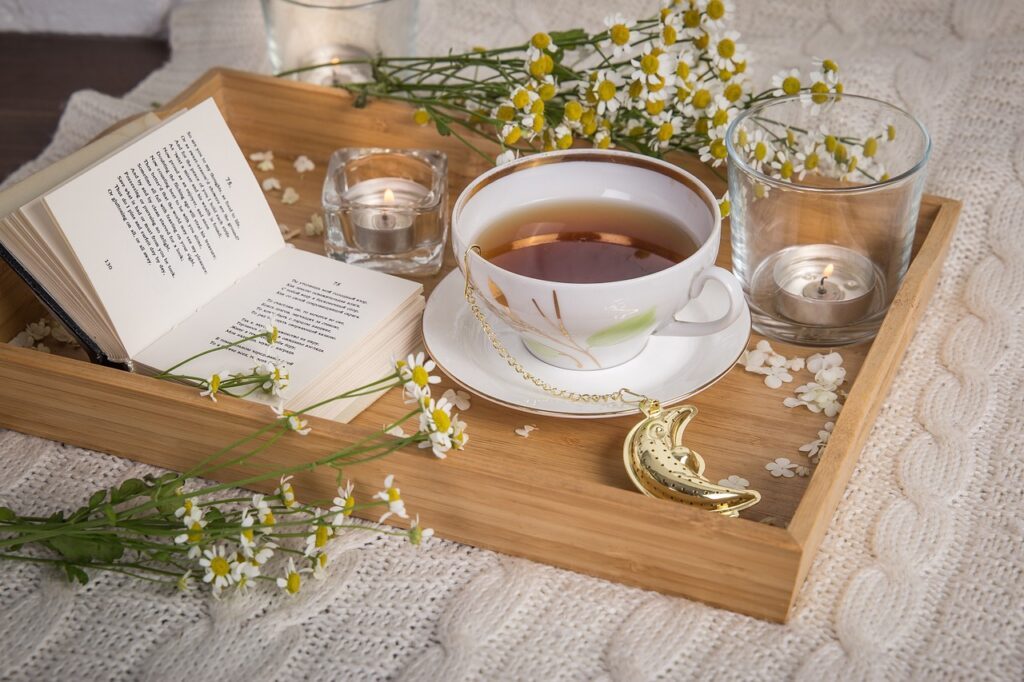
75,573
624,330
563,74
85,549
542,351
127,490
567,36
213,516
97,497
443,129
7,514
108,511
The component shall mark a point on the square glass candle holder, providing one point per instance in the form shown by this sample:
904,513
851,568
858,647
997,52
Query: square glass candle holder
387,209
825,191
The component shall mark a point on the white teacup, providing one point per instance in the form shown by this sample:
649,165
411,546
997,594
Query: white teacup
594,326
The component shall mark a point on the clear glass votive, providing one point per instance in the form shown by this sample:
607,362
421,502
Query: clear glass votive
387,209
825,191
304,33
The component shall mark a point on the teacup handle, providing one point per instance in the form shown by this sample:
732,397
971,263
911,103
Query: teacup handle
732,288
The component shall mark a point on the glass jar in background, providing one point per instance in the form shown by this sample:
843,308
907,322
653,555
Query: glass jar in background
304,33
825,191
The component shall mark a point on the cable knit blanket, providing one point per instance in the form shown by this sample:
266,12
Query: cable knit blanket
921,575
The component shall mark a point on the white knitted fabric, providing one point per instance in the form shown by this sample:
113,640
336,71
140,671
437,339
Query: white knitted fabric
920,576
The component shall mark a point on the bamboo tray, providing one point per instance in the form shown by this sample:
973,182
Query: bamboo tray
560,497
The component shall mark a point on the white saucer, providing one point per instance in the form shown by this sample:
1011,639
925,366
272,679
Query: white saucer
670,368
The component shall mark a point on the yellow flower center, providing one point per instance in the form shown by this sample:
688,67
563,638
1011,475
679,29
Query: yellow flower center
760,151
691,18
294,583
683,70
742,138
716,10
350,504
725,75
701,41
521,98
702,124
655,106
215,383
547,91
786,171
870,147
852,166
791,85
665,131
538,123
321,536
322,560
619,33
649,64
829,65
604,142
565,141
830,143
605,90
726,48
890,133
840,153
542,66
188,507
219,566
740,66
505,113
441,420
760,191
420,376
537,107
268,519
819,93
573,110
393,495
421,117
657,85
733,92
701,98
589,121
885,176
725,207
540,40
811,162
195,533
248,534
718,149
720,118
669,35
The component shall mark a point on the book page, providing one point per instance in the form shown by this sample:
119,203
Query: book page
166,224
323,310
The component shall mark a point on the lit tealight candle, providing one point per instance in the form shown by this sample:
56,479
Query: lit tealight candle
385,221
823,285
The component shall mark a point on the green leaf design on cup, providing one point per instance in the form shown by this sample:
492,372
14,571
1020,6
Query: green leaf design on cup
624,330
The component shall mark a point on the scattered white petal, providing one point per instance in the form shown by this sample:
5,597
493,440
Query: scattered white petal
271,184
460,399
39,330
525,430
781,467
395,430
267,165
22,340
315,226
42,348
262,156
735,481
802,470
303,164
62,335
290,196
505,157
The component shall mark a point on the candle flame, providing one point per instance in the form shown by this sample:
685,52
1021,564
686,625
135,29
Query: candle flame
389,197
827,272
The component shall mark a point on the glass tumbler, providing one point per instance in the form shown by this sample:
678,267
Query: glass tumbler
304,33
825,190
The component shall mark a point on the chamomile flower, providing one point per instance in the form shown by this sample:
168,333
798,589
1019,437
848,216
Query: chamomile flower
286,492
320,566
319,534
653,66
716,12
213,384
436,416
343,505
714,152
806,160
185,582
393,496
606,93
247,535
459,437
417,534
543,41
187,505
262,554
415,372
219,568
277,380
619,36
506,156
603,139
760,150
297,424
786,82
726,52
666,127
245,573
291,583
263,512
303,164
194,523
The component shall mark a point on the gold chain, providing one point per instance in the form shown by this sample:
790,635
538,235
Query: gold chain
623,395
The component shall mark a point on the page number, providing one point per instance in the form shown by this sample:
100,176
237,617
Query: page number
110,266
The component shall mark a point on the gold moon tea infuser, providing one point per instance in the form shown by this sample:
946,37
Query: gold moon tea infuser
657,462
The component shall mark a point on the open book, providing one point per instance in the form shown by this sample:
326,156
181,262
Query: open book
155,242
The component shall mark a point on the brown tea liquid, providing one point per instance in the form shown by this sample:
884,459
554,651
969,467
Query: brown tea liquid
585,242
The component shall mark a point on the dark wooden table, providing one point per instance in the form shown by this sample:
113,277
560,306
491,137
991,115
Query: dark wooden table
38,73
